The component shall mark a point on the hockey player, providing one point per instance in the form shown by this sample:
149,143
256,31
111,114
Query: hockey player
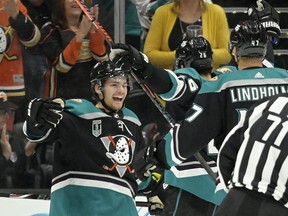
95,145
263,12
193,66
253,162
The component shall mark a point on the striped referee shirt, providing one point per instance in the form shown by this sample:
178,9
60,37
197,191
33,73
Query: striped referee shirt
254,154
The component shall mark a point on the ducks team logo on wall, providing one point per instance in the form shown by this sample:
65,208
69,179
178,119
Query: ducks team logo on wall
120,150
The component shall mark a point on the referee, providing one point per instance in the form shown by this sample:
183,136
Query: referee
253,162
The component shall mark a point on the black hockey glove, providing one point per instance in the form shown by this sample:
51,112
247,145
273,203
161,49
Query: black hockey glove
268,17
123,54
154,190
157,195
44,113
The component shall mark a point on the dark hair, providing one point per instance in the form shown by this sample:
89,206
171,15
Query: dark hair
59,14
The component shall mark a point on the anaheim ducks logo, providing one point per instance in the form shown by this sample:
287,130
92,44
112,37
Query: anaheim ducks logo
5,42
120,149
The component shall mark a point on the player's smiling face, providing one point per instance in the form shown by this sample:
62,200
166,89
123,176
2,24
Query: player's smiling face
115,91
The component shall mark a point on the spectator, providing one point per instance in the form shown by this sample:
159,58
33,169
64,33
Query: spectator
95,167
253,161
132,25
169,24
145,11
73,47
35,62
16,27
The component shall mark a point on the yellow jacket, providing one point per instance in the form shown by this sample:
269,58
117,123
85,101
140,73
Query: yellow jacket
215,30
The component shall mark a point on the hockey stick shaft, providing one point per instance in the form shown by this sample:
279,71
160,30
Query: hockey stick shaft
97,25
154,99
171,121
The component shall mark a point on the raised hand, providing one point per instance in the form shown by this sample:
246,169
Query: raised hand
10,7
45,113
269,18
84,28
123,54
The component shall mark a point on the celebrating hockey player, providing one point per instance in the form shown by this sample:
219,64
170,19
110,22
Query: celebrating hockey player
95,146
193,65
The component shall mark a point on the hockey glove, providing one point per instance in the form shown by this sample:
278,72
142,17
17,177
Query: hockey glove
158,194
123,54
268,17
44,113
156,206
154,190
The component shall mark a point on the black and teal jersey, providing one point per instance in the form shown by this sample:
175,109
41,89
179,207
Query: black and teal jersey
189,175
93,172
186,84
218,107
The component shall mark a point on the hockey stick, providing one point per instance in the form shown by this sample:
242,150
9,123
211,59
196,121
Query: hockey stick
145,88
97,25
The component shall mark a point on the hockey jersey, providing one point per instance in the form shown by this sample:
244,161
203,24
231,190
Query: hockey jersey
218,107
190,175
71,62
11,62
93,171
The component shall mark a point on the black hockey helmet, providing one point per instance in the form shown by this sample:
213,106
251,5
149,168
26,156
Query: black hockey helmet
250,39
194,52
105,70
